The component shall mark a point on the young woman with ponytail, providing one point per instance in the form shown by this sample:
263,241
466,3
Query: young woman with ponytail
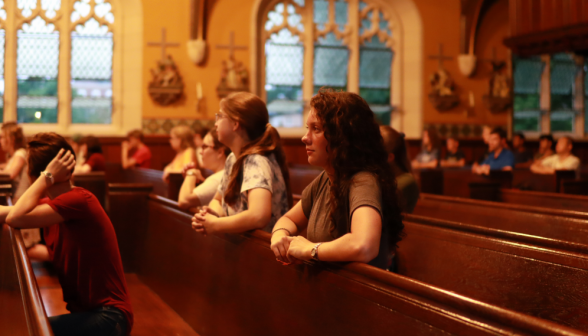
351,210
255,189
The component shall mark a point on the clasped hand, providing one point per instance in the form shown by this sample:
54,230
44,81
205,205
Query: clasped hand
204,221
291,250
61,166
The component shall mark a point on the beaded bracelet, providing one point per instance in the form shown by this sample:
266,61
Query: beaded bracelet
276,230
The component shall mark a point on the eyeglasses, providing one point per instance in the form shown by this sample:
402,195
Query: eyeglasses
219,116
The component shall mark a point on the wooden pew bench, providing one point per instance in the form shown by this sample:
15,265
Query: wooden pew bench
94,182
543,199
455,181
171,190
570,226
232,284
21,307
539,281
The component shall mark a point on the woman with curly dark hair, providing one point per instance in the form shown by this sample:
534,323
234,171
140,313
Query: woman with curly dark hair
350,210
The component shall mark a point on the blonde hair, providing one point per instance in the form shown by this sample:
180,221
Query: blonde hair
13,131
185,134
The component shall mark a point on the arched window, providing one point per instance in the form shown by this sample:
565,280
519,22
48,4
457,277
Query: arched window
349,45
91,62
60,61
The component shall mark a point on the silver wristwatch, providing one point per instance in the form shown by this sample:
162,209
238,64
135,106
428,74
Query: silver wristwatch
314,251
48,176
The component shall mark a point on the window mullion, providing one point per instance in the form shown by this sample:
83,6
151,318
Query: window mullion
64,68
545,95
579,97
10,80
308,70
353,63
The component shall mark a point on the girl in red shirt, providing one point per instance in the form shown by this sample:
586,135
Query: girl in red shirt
81,242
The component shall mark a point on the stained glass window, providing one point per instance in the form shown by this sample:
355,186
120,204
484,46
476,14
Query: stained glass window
331,56
563,74
91,65
527,83
37,66
375,65
284,55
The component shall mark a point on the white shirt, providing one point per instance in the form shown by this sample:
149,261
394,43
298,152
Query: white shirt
258,172
21,181
569,163
207,189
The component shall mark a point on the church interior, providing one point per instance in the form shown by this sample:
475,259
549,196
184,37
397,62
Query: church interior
488,98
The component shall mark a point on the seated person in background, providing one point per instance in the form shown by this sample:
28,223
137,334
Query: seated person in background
499,159
429,155
81,242
95,162
198,141
75,142
545,147
486,130
214,155
141,157
12,141
182,141
523,156
254,191
350,211
454,156
408,189
562,160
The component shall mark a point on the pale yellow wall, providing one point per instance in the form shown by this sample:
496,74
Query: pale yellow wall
224,16
440,21
441,25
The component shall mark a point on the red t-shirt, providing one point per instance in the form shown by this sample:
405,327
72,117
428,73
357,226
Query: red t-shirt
84,250
96,162
142,157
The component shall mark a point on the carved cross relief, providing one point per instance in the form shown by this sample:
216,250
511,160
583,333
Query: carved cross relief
166,86
234,76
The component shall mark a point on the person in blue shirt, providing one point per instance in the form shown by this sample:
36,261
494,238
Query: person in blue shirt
499,158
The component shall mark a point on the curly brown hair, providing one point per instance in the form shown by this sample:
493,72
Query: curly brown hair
355,145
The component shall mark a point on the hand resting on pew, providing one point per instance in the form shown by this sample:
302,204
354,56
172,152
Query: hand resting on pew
361,244
257,216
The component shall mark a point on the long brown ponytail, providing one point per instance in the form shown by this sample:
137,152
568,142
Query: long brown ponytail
251,113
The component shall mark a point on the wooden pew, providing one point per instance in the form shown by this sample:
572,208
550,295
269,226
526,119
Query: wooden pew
171,190
534,198
540,281
570,226
456,181
94,182
21,307
232,285
525,179
301,176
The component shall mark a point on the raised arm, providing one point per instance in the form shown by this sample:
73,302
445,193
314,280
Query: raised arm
15,167
26,213
126,161
539,168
